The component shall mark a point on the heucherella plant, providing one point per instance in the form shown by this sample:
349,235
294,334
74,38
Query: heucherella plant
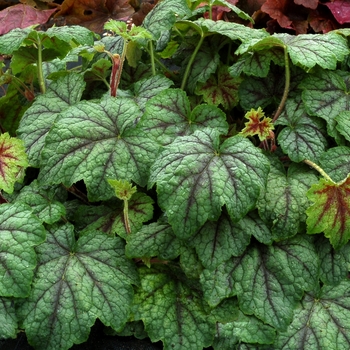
185,181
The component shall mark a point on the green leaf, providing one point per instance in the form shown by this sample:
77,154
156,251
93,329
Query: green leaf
169,115
123,189
155,239
20,231
75,283
173,310
13,161
326,95
333,263
233,8
266,279
95,142
204,64
72,34
246,329
8,319
111,221
309,50
44,201
196,176
330,212
336,162
257,92
164,15
304,137
343,124
220,88
11,41
232,30
40,117
257,63
282,206
217,241
320,322
144,89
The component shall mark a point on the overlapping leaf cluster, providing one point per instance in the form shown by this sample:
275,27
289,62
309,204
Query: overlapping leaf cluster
220,248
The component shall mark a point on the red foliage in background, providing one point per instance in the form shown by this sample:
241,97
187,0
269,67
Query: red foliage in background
294,16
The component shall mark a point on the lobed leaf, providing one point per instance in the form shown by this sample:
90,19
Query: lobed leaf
220,89
282,205
164,15
44,201
326,95
309,50
75,283
267,280
153,240
304,136
320,322
20,231
336,162
40,117
217,241
196,176
173,310
95,142
333,263
169,115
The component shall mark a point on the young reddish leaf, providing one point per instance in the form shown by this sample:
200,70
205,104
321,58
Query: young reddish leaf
340,10
220,88
330,212
22,16
13,160
258,124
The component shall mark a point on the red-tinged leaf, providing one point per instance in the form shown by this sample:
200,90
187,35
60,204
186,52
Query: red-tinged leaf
288,14
322,21
22,16
330,212
258,124
220,88
311,4
340,10
13,160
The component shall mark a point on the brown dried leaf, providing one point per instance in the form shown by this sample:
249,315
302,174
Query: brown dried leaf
93,14
22,16
311,4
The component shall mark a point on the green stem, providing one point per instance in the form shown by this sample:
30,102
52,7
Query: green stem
40,68
190,62
151,52
319,169
126,217
286,86
210,12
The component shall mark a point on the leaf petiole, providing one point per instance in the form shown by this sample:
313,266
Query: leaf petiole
319,169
